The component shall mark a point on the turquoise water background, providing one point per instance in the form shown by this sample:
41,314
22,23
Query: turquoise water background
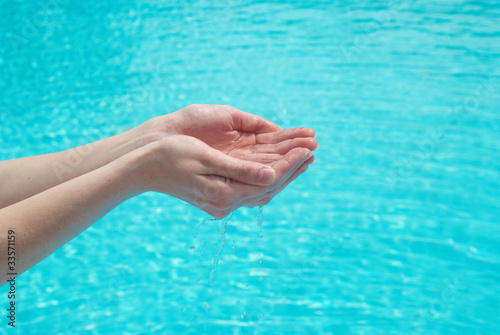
395,229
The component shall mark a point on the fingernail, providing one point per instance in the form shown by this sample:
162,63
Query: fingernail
266,175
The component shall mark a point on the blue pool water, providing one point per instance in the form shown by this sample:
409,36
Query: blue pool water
395,229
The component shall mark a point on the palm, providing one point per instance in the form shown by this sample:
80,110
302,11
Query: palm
252,147
241,135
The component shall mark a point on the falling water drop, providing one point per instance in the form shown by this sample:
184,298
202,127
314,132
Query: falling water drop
195,235
259,224
259,221
220,247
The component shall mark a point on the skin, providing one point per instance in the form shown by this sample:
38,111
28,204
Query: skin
216,158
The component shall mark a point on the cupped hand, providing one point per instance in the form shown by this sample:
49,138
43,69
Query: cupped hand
191,170
216,125
236,133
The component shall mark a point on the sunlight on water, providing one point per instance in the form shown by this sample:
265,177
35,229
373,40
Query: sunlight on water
393,231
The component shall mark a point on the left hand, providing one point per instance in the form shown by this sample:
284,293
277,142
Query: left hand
236,133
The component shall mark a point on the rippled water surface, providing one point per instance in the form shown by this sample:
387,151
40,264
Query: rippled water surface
395,229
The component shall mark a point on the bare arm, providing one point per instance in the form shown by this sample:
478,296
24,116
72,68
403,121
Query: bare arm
48,220
24,177
214,157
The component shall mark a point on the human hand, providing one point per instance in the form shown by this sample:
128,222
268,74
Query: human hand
216,125
191,170
234,132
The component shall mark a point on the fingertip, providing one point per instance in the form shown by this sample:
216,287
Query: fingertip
271,125
267,175
307,154
310,132
311,144
316,145
304,132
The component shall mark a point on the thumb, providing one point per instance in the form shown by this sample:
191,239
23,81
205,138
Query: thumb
246,172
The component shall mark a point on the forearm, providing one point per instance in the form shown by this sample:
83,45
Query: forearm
46,221
24,177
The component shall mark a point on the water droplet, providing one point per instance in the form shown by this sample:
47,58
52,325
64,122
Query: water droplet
220,247
206,306
259,221
195,235
244,315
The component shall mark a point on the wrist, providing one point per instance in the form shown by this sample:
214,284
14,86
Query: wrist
137,169
155,129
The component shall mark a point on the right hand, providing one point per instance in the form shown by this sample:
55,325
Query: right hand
211,180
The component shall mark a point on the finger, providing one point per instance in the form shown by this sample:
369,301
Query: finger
252,123
291,161
285,146
269,196
284,168
283,135
243,171
257,197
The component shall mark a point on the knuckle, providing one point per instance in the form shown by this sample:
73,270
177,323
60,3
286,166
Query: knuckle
243,170
217,213
220,197
264,201
223,203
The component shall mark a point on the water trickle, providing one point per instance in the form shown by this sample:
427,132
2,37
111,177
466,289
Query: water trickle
259,221
220,247
195,235
259,224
